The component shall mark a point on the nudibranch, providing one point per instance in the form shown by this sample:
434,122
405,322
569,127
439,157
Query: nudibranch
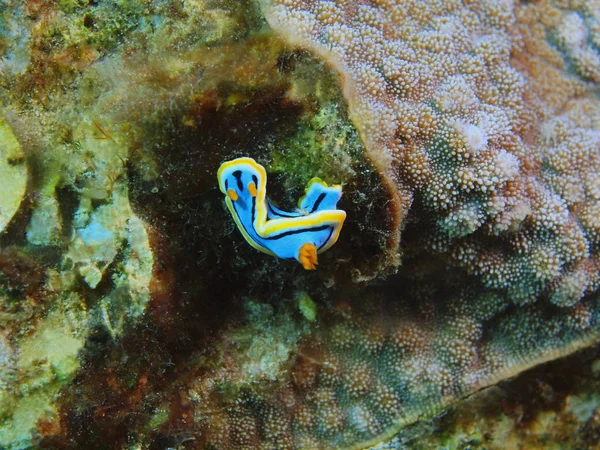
299,235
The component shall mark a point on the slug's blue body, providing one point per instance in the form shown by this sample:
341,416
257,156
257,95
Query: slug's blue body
299,235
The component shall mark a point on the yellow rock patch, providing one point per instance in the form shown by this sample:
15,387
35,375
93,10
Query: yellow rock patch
13,174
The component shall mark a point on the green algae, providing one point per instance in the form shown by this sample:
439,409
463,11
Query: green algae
325,144
13,172
70,6
45,225
307,306
48,359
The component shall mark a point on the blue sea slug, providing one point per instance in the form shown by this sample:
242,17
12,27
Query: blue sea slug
299,235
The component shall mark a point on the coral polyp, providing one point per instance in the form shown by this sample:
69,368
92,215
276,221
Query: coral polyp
376,366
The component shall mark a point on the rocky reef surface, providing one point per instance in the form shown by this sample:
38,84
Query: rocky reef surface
466,136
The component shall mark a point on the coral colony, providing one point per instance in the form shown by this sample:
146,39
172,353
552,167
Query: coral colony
459,307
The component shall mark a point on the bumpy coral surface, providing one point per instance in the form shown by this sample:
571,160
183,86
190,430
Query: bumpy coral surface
486,112
566,412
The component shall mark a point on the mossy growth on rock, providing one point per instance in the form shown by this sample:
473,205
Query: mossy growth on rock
14,174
